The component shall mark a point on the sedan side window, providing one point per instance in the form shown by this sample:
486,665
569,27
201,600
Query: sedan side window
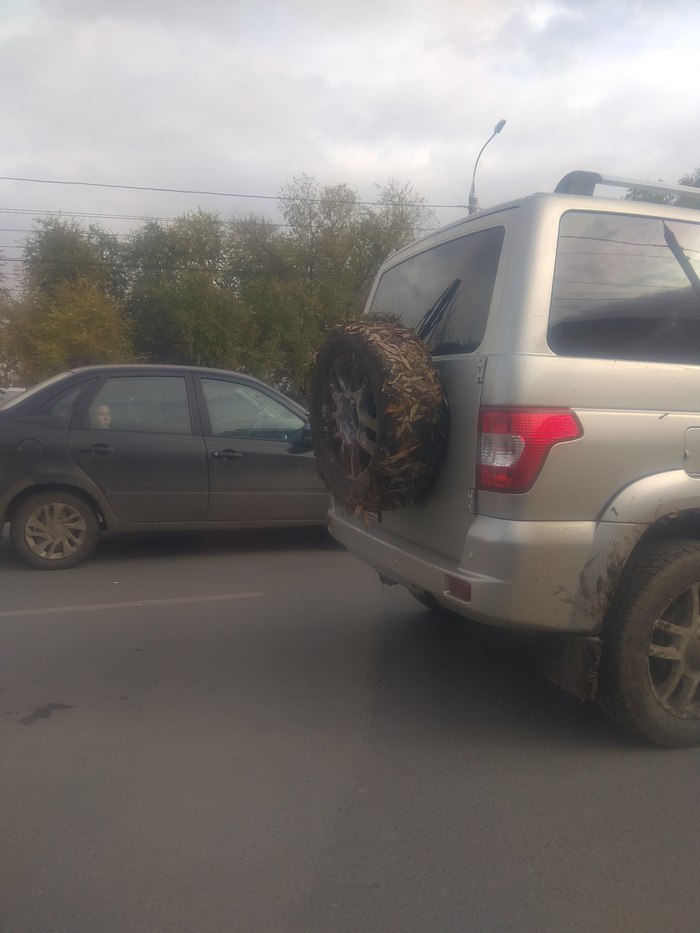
238,410
155,404
57,412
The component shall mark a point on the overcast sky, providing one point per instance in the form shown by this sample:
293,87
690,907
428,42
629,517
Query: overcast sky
240,96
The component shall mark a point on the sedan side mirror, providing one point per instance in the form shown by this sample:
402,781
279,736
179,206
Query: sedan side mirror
306,437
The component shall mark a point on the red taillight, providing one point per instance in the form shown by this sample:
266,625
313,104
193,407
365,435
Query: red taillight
514,443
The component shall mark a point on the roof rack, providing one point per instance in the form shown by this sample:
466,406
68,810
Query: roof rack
585,183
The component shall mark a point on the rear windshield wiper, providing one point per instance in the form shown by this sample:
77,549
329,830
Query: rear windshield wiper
683,261
433,316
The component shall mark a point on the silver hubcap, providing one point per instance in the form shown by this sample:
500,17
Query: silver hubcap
355,434
674,655
55,531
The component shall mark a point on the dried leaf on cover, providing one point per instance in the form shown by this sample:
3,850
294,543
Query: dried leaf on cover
411,418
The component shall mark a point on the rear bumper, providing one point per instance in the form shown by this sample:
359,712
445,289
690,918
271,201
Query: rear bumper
546,576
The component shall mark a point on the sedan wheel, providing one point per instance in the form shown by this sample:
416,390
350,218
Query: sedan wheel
54,531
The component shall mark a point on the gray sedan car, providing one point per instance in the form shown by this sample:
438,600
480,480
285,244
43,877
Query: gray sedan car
150,448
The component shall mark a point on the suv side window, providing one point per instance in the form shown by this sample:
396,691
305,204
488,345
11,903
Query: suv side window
626,288
444,293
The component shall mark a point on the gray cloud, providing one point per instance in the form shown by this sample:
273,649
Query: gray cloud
243,96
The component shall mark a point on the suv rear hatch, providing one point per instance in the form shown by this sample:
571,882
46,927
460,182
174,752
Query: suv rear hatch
444,291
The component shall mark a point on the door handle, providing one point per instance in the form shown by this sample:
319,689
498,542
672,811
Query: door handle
227,454
97,449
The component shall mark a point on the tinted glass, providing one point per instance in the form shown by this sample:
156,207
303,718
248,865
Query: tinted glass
626,288
238,410
157,404
40,387
444,294
58,411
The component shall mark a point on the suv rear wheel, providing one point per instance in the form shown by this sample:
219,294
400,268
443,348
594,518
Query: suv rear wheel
54,530
651,653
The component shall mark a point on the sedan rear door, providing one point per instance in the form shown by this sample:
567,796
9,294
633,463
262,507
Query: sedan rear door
136,442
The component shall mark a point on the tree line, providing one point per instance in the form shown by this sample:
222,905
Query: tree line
244,294
690,180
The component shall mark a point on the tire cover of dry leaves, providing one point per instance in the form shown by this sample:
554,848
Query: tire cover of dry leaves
411,416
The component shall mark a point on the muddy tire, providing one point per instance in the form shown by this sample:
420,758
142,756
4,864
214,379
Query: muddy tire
54,530
378,416
650,673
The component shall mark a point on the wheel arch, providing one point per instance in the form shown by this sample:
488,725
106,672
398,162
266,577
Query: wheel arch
664,505
572,661
653,498
55,486
674,525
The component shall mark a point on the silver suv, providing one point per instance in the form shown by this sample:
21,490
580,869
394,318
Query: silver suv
512,432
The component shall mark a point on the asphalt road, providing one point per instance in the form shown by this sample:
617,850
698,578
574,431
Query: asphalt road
248,733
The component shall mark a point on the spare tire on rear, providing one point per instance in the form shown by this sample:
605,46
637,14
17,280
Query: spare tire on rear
378,416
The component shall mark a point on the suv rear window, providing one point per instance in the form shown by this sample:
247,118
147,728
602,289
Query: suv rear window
626,288
444,293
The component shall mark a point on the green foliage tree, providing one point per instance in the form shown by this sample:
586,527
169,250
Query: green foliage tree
183,306
243,294
338,243
319,270
285,327
691,179
60,250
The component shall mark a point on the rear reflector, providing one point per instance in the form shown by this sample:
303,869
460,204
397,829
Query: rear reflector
514,444
460,589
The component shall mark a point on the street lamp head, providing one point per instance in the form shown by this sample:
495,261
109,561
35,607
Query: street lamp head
473,200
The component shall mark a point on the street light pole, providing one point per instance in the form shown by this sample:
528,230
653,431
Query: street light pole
473,200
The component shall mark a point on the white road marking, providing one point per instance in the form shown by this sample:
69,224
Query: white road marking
134,604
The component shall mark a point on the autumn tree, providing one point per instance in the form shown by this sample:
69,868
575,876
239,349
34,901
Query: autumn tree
8,359
68,312
75,324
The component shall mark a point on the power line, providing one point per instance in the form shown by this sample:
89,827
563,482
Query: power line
20,210
217,194
99,216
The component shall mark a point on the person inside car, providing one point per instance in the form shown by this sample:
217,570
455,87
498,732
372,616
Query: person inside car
100,416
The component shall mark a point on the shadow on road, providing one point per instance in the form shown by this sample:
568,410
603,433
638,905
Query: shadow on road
477,682
170,545
186,544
